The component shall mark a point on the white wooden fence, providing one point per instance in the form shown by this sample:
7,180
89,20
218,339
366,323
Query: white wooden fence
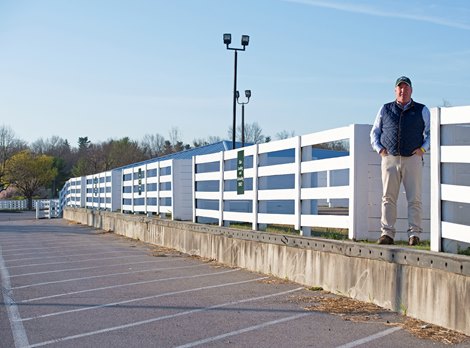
103,190
75,192
21,204
160,187
302,203
308,202
14,204
450,178
286,182
47,208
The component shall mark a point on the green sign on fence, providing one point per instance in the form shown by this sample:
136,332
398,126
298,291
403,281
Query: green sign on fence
95,186
140,181
240,172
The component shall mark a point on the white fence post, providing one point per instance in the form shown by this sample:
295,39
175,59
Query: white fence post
221,188
194,187
255,189
359,150
158,187
306,205
435,237
298,184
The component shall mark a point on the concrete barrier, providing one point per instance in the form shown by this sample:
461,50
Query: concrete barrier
433,287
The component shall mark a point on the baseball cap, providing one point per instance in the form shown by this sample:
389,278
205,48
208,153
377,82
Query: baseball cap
403,79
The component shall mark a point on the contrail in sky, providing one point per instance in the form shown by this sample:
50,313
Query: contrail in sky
369,10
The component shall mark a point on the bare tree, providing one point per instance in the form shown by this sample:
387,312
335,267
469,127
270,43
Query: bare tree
174,135
54,146
206,141
152,145
445,103
253,133
285,135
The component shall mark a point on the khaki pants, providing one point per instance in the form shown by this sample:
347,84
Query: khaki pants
395,170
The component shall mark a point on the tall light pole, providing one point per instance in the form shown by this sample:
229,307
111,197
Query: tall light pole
227,41
247,95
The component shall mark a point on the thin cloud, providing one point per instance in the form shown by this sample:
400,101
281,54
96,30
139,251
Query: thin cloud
371,11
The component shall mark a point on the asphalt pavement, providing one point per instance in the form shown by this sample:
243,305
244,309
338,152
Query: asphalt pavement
68,285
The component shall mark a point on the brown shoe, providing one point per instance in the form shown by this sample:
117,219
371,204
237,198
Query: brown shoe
413,240
386,240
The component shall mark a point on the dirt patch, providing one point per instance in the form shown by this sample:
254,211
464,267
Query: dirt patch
274,280
433,332
160,251
343,305
354,310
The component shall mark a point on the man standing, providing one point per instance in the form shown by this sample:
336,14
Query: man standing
400,135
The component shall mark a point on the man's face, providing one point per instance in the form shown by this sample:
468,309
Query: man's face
403,93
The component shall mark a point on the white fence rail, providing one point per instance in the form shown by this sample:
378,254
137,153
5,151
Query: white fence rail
22,204
160,187
282,181
14,204
450,177
294,182
47,208
74,193
102,190
291,182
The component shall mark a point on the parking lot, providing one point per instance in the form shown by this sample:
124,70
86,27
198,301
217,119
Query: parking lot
68,285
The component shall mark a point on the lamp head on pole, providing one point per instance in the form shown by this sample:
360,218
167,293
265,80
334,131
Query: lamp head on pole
237,95
245,40
248,93
227,39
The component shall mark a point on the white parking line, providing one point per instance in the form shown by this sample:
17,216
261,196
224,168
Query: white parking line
17,328
101,276
124,285
73,255
143,298
76,261
62,252
85,268
247,329
18,242
152,320
370,338
76,243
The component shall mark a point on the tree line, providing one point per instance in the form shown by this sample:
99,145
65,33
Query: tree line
41,168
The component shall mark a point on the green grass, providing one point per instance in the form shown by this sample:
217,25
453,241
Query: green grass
333,233
329,233
423,245
463,251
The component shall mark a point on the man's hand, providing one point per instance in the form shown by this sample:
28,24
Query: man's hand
383,152
419,151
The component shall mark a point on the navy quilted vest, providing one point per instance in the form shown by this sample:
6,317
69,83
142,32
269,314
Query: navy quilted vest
402,130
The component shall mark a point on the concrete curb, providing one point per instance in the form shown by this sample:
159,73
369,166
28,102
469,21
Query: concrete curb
434,287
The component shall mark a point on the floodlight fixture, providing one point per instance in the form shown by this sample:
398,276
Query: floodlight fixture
245,40
227,39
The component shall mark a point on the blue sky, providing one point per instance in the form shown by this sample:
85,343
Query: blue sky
114,68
